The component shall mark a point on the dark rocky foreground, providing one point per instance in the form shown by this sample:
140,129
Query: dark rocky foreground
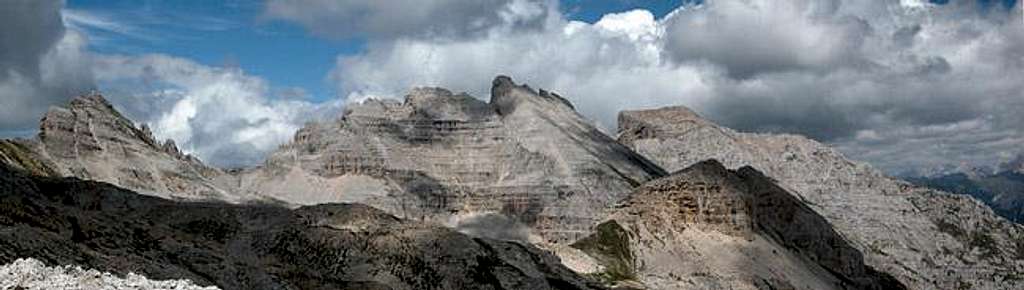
67,221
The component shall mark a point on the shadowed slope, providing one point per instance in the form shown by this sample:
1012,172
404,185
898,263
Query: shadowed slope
334,246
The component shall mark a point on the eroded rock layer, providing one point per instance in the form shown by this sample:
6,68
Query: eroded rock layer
526,154
707,227
926,239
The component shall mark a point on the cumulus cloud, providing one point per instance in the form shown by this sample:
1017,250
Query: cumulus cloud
425,19
41,63
602,68
904,84
222,115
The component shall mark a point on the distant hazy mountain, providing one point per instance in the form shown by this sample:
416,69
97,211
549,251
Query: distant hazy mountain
1003,191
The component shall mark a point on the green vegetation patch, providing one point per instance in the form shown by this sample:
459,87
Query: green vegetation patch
610,246
22,157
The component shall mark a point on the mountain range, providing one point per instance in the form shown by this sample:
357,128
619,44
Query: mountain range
444,191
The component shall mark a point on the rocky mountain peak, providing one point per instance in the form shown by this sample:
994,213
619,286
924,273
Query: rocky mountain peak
88,138
646,124
507,96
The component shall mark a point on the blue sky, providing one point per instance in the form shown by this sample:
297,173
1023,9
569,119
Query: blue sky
236,33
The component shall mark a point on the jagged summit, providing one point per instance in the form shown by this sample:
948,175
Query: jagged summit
433,103
506,96
96,110
424,104
90,139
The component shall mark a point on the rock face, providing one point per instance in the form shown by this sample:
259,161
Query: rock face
89,139
924,238
525,154
334,246
707,227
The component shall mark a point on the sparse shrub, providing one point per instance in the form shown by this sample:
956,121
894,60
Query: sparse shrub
985,242
610,246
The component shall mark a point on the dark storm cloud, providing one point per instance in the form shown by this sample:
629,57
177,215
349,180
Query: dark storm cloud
409,18
41,64
750,39
30,29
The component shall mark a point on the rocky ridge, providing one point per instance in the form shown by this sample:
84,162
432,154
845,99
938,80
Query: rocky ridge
926,239
68,221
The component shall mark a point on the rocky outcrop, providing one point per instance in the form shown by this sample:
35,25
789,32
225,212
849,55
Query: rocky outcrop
32,274
526,155
924,238
91,140
707,227
67,221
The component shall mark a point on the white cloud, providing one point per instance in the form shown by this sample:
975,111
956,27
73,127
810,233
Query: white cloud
222,115
425,19
601,68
